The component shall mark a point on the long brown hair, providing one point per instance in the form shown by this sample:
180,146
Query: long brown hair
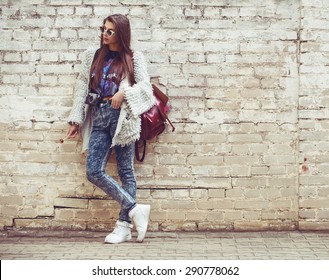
124,61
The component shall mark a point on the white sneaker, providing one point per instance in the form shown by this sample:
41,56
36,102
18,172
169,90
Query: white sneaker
140,215
121,233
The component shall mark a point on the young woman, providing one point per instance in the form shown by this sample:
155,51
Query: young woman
112,91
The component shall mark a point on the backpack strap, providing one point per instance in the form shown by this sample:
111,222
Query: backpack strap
137,154
165,116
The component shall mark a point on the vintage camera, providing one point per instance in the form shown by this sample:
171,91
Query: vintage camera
92,98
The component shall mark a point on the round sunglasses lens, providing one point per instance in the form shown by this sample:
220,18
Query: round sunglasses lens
109,32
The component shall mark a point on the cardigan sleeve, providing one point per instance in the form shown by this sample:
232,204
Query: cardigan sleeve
81,88
139,97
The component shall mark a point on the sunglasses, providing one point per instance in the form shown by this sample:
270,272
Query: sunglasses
109,32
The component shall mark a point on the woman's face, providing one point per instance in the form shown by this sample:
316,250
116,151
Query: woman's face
109,36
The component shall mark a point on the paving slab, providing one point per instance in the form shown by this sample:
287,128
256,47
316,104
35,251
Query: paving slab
66,245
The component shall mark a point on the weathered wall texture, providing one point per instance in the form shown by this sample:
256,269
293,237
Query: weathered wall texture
248,82
313,114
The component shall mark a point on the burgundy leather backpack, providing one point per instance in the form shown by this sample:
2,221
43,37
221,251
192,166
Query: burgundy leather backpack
153,122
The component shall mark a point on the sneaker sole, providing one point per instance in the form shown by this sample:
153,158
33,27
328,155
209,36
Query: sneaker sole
111,242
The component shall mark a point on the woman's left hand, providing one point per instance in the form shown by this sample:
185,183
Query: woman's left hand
117,99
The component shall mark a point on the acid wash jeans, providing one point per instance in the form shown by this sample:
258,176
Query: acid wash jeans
105,120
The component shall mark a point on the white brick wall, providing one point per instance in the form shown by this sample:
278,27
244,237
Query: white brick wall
248,82
313,122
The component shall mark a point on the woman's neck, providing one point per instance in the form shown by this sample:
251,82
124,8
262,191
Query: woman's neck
114,47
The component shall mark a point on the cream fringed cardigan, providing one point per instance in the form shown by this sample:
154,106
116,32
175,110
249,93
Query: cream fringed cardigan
138,99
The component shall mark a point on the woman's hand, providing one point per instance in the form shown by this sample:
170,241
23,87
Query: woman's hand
117,99
72,131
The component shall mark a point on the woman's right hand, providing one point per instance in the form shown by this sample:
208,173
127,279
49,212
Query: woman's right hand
72,131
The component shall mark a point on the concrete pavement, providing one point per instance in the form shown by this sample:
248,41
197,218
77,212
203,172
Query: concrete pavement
67,245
